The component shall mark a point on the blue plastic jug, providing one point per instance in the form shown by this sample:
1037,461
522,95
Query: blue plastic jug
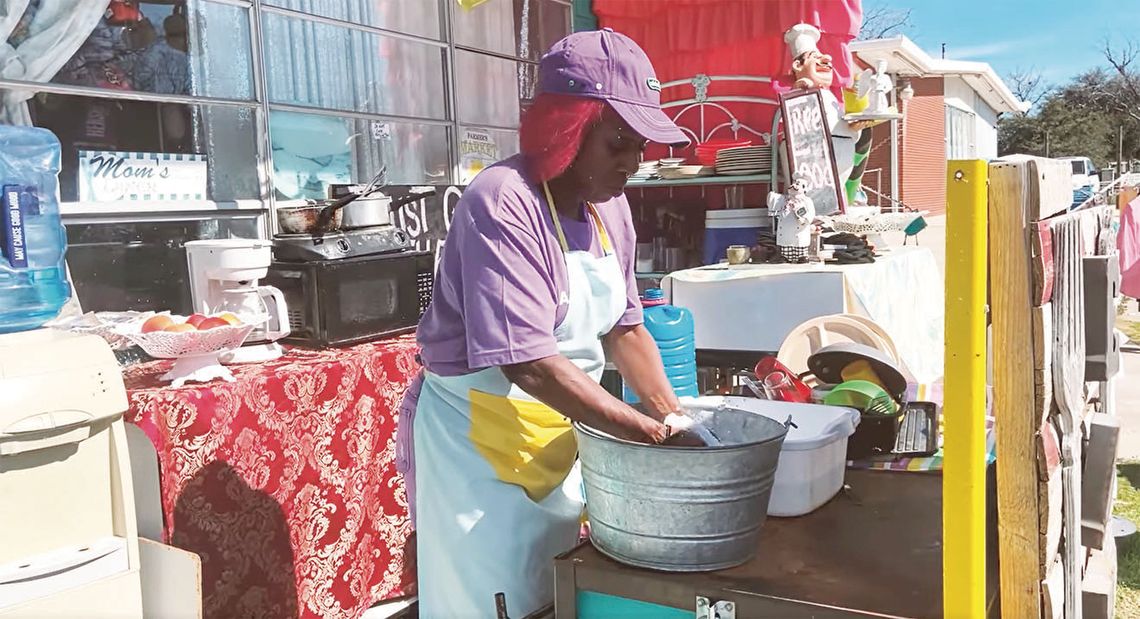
33,276
672,329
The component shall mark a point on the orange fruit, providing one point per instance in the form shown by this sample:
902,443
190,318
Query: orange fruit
157,323
180,328
212,323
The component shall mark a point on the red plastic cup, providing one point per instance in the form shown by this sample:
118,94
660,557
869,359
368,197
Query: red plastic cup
781,383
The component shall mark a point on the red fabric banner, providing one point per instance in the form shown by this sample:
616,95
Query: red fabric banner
684,38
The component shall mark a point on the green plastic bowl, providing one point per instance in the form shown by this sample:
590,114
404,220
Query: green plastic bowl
864,396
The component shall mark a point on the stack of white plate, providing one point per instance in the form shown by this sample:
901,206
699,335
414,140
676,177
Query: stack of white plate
645,170
744,160
681,172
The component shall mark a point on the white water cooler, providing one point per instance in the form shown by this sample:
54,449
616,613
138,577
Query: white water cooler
69,545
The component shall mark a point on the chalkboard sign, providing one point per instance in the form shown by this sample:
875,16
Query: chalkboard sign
809,148
426,220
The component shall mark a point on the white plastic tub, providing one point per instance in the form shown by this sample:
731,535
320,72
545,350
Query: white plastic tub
814,455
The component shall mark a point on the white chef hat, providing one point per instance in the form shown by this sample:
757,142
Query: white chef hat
802,38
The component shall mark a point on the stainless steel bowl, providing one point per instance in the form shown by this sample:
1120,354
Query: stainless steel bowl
681,509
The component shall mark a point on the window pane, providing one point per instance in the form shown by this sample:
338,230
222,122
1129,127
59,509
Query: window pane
141,266
312,151
553,21
225,135
523,28
196,48
489,88
491,26
418,17
318,65
479,148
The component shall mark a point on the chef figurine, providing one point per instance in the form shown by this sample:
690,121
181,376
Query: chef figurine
795,214
812,69
878,84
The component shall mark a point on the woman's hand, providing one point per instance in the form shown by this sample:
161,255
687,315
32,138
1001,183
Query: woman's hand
636,356
563,386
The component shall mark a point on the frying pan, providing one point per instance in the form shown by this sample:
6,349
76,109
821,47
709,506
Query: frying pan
325,216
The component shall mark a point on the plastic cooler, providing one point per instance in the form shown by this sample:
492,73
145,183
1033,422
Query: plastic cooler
724,228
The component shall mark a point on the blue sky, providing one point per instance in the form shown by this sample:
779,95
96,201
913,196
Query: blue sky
1057,39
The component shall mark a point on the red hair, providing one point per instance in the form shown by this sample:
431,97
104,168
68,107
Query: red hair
552,130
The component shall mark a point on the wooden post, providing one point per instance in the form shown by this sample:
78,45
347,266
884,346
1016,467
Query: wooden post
964,463
1015,415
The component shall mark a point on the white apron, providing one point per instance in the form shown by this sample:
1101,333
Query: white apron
498,490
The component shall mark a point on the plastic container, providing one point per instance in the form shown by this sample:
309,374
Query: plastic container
727,227
33,275
672,328
814,456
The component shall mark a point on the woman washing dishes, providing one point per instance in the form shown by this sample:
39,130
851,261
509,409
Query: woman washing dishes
536,275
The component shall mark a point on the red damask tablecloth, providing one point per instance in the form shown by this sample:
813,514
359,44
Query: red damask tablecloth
284,482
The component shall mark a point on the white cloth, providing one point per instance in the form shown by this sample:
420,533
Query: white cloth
477,535
56,32
755,306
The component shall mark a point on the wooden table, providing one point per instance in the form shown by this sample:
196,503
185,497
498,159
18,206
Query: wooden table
874,550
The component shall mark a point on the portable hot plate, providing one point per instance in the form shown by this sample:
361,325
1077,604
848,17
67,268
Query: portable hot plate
340,244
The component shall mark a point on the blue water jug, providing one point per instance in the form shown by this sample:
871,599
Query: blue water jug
33,276
672,329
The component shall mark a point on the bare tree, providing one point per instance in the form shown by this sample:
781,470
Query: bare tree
881,20
1028,85
1123,62
1123,92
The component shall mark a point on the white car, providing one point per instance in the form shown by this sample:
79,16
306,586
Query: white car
1086,178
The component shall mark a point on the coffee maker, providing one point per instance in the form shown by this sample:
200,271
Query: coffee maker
224,275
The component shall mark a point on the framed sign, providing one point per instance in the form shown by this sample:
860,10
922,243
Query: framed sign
113,176
809,148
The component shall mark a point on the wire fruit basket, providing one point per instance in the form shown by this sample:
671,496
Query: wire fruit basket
196,354
873,223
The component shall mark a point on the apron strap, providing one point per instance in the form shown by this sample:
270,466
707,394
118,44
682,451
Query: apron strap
603,236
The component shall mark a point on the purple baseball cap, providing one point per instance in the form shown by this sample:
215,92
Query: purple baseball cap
608,65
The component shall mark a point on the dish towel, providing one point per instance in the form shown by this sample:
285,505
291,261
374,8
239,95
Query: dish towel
1128,244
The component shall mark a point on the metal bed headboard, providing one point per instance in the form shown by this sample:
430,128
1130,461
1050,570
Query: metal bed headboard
704,104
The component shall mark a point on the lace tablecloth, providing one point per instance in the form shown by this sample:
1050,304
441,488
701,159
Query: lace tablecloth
284,482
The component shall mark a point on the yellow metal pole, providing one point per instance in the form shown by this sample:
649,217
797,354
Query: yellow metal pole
964,456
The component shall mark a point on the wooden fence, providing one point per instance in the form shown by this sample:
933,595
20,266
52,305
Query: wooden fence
1045,409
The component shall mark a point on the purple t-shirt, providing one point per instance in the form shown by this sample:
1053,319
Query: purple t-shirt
500,290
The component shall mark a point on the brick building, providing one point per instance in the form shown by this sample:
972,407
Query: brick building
951,109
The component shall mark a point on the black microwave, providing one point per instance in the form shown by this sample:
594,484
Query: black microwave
352,300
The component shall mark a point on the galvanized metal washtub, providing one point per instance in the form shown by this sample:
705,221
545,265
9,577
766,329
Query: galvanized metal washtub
682,509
